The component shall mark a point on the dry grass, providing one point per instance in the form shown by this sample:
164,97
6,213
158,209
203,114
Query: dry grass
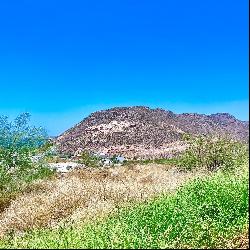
240,241
84,194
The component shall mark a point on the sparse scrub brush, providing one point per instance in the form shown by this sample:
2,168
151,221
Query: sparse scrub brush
213,153
90,160
19,142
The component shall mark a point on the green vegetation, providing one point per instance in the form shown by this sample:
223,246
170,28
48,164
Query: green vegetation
213,153
165,161
206,152
204,214
90,160
19,142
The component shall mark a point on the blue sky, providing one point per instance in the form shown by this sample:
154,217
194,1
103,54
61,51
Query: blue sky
61,60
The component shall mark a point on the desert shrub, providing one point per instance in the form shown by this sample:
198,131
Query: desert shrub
213,153
21,152
114,159
89,159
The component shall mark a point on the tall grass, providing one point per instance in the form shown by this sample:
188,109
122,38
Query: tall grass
88,193
203,214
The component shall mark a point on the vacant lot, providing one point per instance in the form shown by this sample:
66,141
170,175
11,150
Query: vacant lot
85,194
208,212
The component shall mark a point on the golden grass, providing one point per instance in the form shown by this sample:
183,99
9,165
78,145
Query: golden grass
85,194
240,241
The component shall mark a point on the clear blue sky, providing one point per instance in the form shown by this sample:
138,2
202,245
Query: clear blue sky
61,60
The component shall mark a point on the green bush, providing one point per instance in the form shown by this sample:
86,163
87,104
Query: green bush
89,159
20,144
213,153
113,159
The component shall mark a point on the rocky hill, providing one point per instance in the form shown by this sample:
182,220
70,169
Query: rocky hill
142,132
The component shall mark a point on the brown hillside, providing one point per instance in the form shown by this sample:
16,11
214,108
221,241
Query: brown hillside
145,133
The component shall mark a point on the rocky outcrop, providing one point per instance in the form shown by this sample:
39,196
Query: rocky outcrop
142,132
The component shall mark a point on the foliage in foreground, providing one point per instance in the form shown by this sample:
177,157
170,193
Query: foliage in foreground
19,142
204,213
213,153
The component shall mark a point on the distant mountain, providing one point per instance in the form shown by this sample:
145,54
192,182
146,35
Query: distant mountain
145,133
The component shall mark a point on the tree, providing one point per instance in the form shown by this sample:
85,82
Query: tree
19,142
213,153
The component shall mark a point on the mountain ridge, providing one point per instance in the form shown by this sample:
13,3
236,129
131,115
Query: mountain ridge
142,132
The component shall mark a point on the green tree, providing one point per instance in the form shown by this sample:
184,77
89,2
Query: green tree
19,144
89,159
213,153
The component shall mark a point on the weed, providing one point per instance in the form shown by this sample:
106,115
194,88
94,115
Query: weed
204,213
